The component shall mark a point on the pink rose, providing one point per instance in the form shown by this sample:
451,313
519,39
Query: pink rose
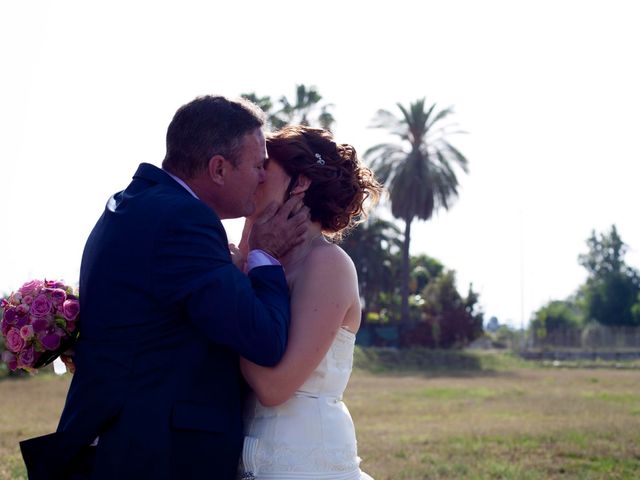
15,343
31,288
10,359
27,357
27,299
58,296
70,309
41,306
51,341
26,332
22,309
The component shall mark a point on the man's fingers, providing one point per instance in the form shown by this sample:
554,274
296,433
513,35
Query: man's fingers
299,235
301,231
300,218
291,205
299,226
277,233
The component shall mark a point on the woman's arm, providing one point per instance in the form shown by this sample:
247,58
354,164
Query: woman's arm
324,294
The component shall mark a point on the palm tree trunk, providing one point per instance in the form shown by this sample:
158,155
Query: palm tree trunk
404,309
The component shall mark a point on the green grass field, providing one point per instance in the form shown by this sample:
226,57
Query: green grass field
438,415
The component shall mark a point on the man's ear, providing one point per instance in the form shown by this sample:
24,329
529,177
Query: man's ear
217,169
302,185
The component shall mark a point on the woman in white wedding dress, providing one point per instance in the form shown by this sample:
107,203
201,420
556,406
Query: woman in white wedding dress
296,425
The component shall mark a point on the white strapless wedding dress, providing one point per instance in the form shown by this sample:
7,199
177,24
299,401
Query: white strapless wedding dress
311,435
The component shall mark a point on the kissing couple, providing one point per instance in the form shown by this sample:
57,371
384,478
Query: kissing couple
202,360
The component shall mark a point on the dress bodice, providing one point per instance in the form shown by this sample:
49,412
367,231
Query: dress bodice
330,378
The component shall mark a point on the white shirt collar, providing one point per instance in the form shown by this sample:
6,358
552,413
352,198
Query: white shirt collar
181,182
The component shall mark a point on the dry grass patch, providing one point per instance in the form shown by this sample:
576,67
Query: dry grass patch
527,424
30,407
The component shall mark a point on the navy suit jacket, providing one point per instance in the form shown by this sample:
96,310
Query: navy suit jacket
164,316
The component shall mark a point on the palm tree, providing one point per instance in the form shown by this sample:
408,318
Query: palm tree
299,111
418,170
266,104
303,110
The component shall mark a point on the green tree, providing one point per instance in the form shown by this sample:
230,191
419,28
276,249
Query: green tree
265,103
611,293
373,247
451,319
472,307
423,269
418,169
558,322
635,311
304,109
506,337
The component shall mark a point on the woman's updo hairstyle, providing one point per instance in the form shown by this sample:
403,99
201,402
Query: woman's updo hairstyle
340,183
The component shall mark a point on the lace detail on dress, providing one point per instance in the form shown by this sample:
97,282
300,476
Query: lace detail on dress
275,457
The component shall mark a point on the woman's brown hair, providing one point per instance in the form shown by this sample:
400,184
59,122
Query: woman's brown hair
340,183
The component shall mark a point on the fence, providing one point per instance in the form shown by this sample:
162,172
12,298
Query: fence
598,337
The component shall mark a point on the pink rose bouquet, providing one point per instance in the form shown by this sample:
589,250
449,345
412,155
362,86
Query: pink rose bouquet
39,323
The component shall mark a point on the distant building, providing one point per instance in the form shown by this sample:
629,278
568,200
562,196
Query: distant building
492,325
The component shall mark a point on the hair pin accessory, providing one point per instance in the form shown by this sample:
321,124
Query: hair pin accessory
320,160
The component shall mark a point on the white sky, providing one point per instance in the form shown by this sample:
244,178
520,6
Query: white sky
549,91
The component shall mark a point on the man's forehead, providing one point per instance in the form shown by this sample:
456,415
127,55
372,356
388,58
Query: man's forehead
254,146
257,136
263,143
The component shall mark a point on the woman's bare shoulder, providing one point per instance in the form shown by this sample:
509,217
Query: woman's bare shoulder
329,256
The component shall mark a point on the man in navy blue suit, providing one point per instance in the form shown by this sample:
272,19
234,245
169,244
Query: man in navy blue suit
165,313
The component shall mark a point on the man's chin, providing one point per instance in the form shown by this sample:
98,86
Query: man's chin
250,211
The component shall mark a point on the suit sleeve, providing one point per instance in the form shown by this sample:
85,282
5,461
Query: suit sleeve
192,268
